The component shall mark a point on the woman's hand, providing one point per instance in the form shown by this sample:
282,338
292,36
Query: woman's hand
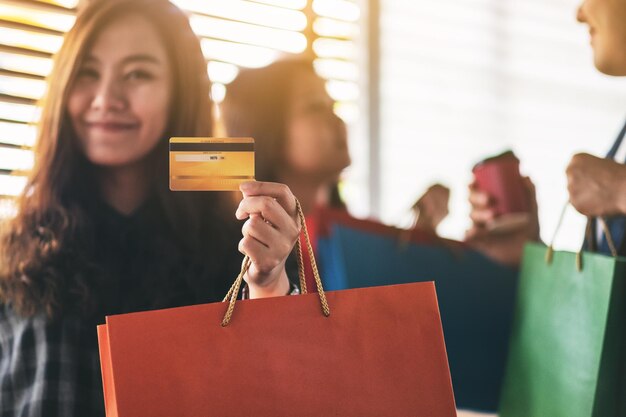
432,207
504,247
596,186
269,235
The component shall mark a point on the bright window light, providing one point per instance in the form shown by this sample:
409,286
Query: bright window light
16,159
337,9
17,134
218,92
283,40
342,90
245,11
324,26
7,207
22,87
11,185
348,111
26,64
287,4
332,48
221,72
30,16
31,40
70,4
242,55
24,113
338,69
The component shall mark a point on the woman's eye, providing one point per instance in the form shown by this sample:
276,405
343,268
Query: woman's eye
139,75
88,73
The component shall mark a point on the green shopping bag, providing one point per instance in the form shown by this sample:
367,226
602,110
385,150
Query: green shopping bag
567,349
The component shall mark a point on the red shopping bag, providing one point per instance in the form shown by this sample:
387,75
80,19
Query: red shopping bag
379,352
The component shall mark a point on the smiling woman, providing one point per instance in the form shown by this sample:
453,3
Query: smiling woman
97,231
120,101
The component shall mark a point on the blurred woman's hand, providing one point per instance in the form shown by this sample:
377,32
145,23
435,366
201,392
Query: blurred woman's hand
269,234
432,207
596,186
504,247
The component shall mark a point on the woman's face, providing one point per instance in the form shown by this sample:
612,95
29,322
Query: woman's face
316,138
119,103
607,25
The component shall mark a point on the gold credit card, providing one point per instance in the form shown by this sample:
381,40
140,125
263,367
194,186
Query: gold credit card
210,164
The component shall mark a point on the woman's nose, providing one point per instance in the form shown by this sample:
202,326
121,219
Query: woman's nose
109,96
580,14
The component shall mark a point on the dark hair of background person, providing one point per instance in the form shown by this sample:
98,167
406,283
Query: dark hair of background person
257,104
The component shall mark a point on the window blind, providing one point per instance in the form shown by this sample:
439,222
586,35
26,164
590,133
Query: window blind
233,33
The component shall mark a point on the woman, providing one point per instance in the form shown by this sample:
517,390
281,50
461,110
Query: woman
98,232
300,140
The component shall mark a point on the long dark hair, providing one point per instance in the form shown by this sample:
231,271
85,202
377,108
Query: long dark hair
45,251
257,104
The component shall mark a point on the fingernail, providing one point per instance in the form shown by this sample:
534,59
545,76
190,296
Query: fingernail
248,184
245,186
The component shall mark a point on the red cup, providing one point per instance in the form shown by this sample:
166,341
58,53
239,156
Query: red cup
500,177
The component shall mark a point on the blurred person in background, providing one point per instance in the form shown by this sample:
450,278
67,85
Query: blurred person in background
300,141
97,230
596,186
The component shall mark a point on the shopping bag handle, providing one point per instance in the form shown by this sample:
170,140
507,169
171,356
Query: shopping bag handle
231,296
579,254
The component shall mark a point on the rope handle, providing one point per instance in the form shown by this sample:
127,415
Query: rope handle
231,296
579,254
607,235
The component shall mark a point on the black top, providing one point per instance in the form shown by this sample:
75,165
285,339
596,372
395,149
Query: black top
51,367
148,268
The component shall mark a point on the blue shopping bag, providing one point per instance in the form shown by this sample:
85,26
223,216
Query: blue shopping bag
476,299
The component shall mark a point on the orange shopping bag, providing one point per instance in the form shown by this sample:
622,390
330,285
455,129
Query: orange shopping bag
366,352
